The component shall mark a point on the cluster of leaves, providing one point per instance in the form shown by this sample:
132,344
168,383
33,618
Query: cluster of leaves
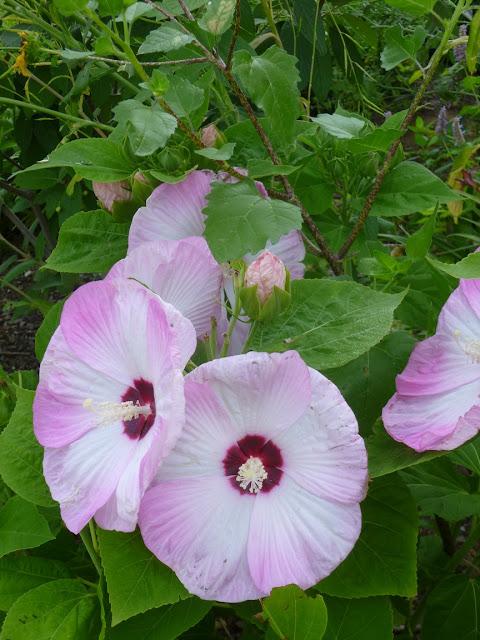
102,94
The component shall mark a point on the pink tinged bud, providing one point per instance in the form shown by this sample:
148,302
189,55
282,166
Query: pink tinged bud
210,135
140,177
110,192
266,272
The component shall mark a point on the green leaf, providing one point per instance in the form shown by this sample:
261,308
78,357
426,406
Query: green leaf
399,47
409,188
68,54
93,158
148,128
218,16
383,561
182,96
262,168
453,610
468,455
364,619
136,579
46,330
473,43
329,322
439,488
19,574
313,189
166,623
419,243
21,526
378,140
417,7
386,455
22,455
241,221
166,38
467,268
59,609
293,615
89,242
110,7
271,81
368,382
223,153
340,126
67,7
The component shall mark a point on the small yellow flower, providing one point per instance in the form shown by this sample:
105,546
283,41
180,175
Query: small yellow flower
20,65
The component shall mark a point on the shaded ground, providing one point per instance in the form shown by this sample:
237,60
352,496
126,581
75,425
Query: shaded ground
17,337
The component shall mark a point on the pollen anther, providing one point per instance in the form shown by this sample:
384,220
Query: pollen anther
251,475
110,412
469,346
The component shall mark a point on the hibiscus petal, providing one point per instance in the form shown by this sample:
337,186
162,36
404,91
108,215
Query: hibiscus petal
59,416
120,328
199,528
120,512
262,392
323,452
296,537
431,421
183,273
206,436
172,212
83,476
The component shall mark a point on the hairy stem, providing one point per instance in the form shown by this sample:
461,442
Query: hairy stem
408,118
228,64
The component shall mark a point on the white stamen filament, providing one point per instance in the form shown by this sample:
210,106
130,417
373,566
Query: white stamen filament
110,412
252,474
469,346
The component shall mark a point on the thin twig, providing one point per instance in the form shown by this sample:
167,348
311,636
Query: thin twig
12,160
14,248
163,63
187,11
26,233
30,196
228,64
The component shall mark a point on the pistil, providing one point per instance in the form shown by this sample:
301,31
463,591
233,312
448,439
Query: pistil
251,475
110,412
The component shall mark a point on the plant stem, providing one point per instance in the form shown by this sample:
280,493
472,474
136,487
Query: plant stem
237,307
403,127
251,335
54,114
228,64
27,234
21,293
271,21
14,248
85,535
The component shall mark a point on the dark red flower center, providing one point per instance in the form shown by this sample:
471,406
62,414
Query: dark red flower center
141,393
253,446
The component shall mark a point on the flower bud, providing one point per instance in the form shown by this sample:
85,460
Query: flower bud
110,192
209,135
266,272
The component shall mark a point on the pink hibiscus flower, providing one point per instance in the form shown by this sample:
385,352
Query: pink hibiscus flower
110,402
183,273
263,487
437,404
174,211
